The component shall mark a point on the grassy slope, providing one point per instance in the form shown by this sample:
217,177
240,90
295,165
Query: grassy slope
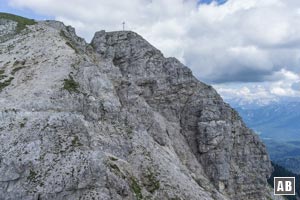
22,22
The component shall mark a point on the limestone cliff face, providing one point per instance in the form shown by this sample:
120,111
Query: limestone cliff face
115,119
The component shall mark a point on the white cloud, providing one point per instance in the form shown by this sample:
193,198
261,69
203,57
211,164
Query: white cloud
287,84
245,94
284,75
246,41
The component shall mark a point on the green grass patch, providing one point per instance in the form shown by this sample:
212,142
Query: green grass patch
62,34
71,85
68,41
18,62
152,184
22,21
2,76
113,158
76,142
135,187
15,70
22,124
32,175
5,83
72,46
115,167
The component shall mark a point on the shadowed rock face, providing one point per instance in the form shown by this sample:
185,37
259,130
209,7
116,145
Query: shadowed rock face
114,119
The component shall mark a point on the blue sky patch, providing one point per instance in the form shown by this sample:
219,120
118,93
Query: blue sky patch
220,2
4,7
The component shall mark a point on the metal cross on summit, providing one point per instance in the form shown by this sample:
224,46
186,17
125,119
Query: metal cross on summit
123,26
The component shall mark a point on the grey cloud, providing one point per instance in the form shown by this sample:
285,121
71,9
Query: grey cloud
243,41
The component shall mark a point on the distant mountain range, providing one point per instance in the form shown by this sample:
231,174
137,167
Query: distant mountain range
278,125
278,121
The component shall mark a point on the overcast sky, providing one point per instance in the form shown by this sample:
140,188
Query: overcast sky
245,48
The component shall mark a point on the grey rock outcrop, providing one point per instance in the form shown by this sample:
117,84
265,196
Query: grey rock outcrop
115,119
7,27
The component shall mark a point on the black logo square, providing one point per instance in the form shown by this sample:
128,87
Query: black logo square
284,185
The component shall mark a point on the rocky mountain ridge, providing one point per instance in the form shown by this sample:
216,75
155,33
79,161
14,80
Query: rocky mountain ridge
115,119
